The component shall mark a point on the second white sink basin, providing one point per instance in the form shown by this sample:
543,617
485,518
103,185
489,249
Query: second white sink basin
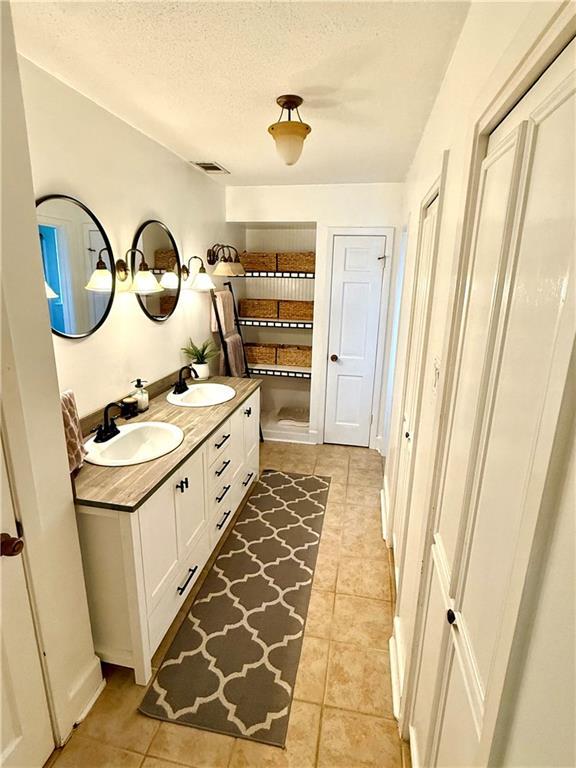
135,444
201,395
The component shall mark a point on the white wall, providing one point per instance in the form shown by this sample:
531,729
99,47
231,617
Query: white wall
329,206
78,148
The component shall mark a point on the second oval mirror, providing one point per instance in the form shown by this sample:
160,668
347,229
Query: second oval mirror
161,259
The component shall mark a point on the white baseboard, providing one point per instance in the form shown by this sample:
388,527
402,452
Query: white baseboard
414,756
383,513
92,701
395,677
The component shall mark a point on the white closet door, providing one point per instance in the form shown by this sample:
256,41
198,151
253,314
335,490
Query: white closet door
26,731
358,263
422,301
518,333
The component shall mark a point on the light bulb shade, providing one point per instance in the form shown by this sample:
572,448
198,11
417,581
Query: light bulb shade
224,269
50,294
202,282
239,270
100,281
289,136
170,281
145,283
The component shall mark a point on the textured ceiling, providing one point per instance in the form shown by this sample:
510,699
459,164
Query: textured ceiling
202,77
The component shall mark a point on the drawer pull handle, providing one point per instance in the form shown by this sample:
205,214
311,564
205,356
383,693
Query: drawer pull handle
221,443
182,485
248,412
224,492
222,522
191,572
222,468
250,476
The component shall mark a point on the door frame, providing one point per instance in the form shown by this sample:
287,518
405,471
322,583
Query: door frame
527,66
322,300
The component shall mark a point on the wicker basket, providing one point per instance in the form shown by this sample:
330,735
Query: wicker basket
304,261
289,354
296,310
258,262
264,308
164,258
261,354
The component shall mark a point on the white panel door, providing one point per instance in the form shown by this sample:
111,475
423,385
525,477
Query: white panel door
358,264
519,334
27,739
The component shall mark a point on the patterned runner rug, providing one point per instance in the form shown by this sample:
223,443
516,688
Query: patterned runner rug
232,666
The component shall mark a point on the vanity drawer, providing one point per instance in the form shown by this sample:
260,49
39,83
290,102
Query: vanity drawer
219,442
220,521
221,495
220,472
176,592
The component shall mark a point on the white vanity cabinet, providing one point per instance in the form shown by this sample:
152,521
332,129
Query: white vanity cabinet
140,566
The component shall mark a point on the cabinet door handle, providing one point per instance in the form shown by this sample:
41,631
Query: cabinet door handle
248,412
221,443
182,485
222,522
224,492
191,572
218,472
250,476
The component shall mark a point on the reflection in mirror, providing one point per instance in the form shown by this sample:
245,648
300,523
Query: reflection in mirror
161,256
73,245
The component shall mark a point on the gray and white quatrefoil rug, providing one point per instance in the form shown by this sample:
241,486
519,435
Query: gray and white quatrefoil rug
232,666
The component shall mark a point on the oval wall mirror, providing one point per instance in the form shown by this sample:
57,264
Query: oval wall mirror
154,245
74,245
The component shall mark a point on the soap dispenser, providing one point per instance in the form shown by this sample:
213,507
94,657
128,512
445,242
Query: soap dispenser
141,395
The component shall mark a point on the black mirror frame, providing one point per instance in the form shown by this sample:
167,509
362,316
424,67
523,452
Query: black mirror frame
139,231
108,247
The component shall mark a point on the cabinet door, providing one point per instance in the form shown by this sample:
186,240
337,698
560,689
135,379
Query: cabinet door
251,412
189,501
159,537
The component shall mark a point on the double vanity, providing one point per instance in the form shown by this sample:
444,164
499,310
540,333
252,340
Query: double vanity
147,529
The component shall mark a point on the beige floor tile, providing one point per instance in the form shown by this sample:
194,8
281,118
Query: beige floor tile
337,473
364,577
359,680
336,492
192,746
335,510
301,743
326,571
362,621
331,531
115,719
365,478
320,610
363,497
327,450
88,753
301,466
362,537
351,740
311,677
153,762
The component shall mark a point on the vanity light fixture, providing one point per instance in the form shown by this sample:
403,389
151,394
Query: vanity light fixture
143,282
170,280
229,264
101,279
50,294
289,134
201,280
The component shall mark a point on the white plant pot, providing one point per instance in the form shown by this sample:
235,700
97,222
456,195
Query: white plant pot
202,369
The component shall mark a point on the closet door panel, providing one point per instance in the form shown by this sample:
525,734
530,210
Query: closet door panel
499,181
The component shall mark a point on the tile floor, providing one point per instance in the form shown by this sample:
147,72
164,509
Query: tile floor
342,710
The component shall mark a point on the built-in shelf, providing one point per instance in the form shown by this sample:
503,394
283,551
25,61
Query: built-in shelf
252,322
272,430
281,371
305,275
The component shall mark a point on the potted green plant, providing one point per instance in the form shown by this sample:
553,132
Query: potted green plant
200,356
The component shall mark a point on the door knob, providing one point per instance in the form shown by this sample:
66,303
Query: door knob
10,546
334,358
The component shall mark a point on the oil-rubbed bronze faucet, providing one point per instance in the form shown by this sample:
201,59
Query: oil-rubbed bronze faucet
108,428
180,386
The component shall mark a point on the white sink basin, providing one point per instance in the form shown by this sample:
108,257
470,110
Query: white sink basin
135,444
200,395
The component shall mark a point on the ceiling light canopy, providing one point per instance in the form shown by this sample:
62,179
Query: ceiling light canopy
289,134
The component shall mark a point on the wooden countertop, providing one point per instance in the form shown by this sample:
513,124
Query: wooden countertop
126,488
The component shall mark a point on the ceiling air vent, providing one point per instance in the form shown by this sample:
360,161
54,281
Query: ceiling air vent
210,167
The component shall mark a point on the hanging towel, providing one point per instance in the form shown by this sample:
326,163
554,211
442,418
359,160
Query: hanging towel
235,350
225,306
74,442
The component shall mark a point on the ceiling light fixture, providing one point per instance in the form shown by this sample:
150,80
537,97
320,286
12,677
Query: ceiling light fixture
144,282
289,134
202,280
